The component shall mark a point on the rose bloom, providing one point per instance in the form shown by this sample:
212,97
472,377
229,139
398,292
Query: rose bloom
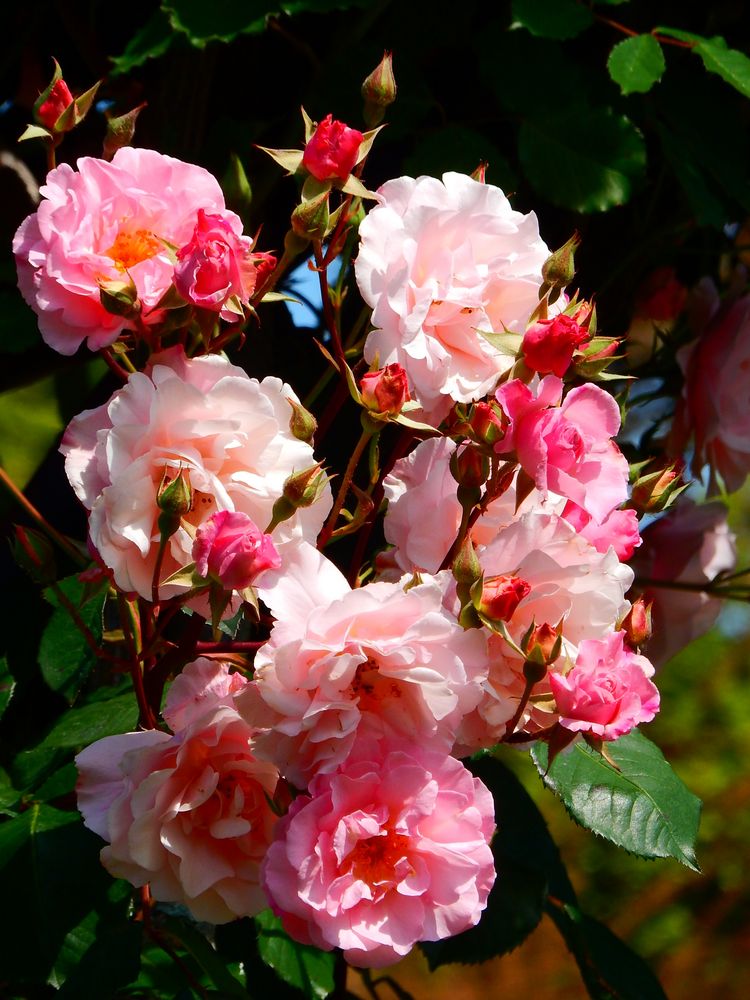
424,515
227,434
568,580
109,222
438,262
714,408
202,686
231,548
567,448
188,814
332,150
216,266
607,692
391,849
339,662
691,544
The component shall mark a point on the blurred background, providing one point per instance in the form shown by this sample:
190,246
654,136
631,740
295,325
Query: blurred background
650,179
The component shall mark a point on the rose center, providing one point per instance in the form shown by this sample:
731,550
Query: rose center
371,688
374,859
131,248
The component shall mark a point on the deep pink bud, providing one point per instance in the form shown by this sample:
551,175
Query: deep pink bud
332,150
231,548
548,344
216,264
501,595
488,422
58,99
386,390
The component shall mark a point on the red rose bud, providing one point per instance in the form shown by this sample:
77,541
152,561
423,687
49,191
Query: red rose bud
500,597
657,490
488,422
637,623
265,264
386,390
332,150
58,100
33,553
548,345
542,645
379,91
469,467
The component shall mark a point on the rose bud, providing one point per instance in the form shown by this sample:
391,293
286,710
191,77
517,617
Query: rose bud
656,491
57,100
386,390
332,150
379,91
548,345
215,265
500,597
637,623
231,548
488,423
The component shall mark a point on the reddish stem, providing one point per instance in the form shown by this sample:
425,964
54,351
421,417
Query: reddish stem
66,545
338,503
109,360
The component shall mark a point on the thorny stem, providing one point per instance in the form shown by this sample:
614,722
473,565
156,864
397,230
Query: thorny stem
338,503
329,313
64,543
130,630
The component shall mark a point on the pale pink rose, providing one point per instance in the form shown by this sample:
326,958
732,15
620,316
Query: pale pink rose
567,448
440,261
691,544
424,515
390,850
216,266
568,581
619,529
714,409
231,548
202,686
108,222
332,150
607,692
549,344
379,659
187,814
228,433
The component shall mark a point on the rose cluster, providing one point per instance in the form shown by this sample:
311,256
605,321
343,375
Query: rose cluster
325,779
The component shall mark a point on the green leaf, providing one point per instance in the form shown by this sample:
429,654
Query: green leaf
558,19
151,41
643,807
729,64
528,868
609,969
80,727
223,22
65,658
300,965
7,685
97,952
636,64
589,169
207,958
61,782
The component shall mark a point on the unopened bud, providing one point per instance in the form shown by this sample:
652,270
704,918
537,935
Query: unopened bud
119,297
466,566
559,268
33,553
55,100
301,489
488,422
542,645
657,490
310,218
379,91
302,423
500,597
480,172
174,500
120,131
470,468
385,391
637,623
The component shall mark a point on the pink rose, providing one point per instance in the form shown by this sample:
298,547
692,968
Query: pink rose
390,850
230,547
216,266
690,544
227,434
619,529
549,344
440,261
108,222
715,405
202,686
188,814
386,390
608,691
340,662
332,150
567,448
